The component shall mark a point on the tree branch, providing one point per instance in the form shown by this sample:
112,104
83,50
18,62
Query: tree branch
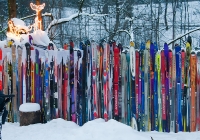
183,35
73,16
45,14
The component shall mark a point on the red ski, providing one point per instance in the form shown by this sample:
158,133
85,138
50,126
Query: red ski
116,81
163,66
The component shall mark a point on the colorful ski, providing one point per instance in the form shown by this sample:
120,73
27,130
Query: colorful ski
163,65
198,91
132,82
105,79
193,91
116,82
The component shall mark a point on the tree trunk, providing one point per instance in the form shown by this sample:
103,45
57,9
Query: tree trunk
165,16
112,35
39,15
174,21
12,9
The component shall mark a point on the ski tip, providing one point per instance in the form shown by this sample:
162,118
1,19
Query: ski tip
148,43
155,46
189,40
87,43
79,53
142,46
10,43
132,44
81,45
166,46
27,45
134,124
30,39
198,53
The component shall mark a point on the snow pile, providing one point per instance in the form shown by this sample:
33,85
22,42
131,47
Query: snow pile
98,129
40,38
19,23
2,43
29,107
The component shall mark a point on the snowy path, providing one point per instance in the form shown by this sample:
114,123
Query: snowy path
60,129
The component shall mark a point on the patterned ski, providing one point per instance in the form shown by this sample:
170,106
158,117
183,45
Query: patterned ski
14,84
193,90
158,65
178,88
163,65
94,79
28,72
137,82
198,91
132,82
123,87
171,92
186,96
116,82
105,79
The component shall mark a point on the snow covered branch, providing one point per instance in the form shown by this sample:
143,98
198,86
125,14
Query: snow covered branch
73,16
45,14
183,36
124,31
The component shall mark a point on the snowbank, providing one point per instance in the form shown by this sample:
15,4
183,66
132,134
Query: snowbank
98,129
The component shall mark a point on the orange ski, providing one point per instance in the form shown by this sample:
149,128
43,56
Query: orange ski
192,93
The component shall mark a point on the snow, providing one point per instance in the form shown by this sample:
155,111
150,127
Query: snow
19,23
59,129
2,43
40,38
29,107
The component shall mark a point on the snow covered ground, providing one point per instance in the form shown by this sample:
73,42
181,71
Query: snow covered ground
98,129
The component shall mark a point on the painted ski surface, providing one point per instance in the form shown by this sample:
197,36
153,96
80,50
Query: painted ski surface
14,84
178,88
158,65
147,87
187,86
137,83
166,52
186,96
89,84
163,65
198,91
193,90
110,81
182,85
155,88
80,92
141,96
28,72
116,82
133,103
105,79
171,93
